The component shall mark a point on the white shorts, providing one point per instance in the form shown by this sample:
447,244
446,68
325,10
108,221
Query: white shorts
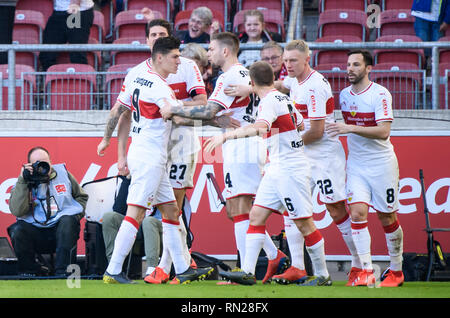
149,185
181,172
290,192
375,185
243,164
328,171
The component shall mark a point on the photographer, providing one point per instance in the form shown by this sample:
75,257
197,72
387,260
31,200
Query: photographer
49,204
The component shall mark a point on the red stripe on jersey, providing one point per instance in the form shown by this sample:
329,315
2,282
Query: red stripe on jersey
359,119
180,90
243,103
149,110
303,108
330,105
282,124
199,90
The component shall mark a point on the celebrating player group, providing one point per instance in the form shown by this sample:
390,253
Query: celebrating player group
280,141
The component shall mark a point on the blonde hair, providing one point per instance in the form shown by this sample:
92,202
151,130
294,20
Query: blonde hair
298,45
195,51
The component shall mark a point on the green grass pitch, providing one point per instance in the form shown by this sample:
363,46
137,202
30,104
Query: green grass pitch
209,289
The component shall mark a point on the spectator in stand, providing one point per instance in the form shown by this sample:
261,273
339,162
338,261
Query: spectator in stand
70,22
197,53
254,33
432,18
7,12
199,27
272,53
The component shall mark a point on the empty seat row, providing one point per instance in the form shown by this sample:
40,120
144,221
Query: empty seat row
363,4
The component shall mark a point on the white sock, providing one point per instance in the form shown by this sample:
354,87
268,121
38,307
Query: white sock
315,245
150,270
183,234
172,239
270,248
122,245
295,241
345,226
254,242
241,223
394,241
165,262
362,240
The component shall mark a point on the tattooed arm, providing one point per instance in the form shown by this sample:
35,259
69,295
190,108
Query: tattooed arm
207,112
223,121
111,124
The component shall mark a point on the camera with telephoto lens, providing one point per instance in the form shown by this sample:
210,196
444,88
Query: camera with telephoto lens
39,175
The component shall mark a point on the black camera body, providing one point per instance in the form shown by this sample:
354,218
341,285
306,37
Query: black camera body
40,173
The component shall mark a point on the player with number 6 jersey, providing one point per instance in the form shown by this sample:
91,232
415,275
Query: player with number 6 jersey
286,182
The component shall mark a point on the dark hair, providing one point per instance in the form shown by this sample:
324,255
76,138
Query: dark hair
227,38
367,56
165,45
34,149
158,22
261,73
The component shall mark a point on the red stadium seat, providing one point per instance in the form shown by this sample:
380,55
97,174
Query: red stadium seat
444,88
444,54
70,87
129,57
339,4
272,19
182,19
132,23
28,24
98,27
337,57
336,74
43,6
163,6
396,22
404,81
280,5
415,56
396,4
113,82
24,89
28,29
223,6
94,58
343,22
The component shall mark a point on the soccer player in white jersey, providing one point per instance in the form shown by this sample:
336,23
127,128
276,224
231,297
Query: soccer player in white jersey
150,184
372,167
286,182
183,146
313,98
243,160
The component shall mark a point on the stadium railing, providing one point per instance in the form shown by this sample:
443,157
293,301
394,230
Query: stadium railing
421,102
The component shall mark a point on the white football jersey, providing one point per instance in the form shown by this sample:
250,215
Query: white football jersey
313,98
244,110
367,108
145,92
284,142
